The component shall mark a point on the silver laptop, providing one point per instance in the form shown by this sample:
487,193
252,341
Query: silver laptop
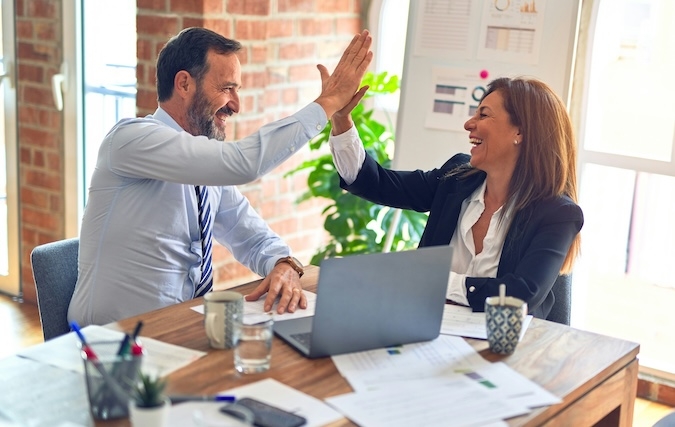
372,301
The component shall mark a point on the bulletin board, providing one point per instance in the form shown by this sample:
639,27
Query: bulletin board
455,47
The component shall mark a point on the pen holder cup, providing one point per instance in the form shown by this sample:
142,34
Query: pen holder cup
504,323
110,379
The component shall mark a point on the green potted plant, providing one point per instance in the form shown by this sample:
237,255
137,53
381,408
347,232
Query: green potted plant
149,406
355,225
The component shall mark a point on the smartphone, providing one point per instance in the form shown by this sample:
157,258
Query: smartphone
265,415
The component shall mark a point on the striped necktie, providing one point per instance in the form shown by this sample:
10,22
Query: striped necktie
206,282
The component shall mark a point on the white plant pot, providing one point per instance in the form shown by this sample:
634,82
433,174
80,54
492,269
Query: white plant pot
149,417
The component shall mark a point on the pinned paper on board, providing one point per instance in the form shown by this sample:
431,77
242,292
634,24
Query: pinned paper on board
456,95
511,31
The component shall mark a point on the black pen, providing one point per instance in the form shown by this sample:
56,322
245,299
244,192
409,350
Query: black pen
202,398
137,330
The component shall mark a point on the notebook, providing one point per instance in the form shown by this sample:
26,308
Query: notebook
373,301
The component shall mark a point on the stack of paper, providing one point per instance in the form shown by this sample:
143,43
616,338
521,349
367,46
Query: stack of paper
436,383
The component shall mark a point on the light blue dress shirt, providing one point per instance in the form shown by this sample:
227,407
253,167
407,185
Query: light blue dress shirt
140,248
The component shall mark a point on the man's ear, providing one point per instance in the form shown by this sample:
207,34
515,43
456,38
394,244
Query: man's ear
183,84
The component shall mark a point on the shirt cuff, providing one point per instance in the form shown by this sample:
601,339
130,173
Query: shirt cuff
456,289
348,154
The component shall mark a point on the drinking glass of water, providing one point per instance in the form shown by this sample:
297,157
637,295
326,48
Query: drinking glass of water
253,344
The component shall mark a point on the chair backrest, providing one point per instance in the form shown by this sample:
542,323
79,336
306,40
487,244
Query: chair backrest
55,274
668,420
562,290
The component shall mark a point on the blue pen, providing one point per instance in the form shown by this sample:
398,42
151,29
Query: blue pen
75,327
204,398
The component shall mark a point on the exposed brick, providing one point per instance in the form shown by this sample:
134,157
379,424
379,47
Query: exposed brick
334,6
276,75
56,203
290,96
272,98
183,6
24,29
348,25
164,26
31,197
258,54
315,27
46,30
247,104
40,220
28,114
296,51
244,55
219,25
285,6
39,159
280,28
146,100
285,226
47,181
195,21
38,138
42,9
254,79
29,51
249,7
246,30
30,73
37,95
298,73
25,157
153,5
54,162
145,50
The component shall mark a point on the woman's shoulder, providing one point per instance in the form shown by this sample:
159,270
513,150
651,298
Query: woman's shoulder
560,206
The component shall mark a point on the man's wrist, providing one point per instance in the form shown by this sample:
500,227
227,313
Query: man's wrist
293,262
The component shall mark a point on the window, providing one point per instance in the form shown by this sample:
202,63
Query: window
389,25
9,207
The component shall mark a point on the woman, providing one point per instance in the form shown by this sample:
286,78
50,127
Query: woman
508,210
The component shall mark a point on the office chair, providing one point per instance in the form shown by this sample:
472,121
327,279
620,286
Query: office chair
562,289
667,420
55,273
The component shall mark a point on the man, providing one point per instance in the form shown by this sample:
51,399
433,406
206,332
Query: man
164,185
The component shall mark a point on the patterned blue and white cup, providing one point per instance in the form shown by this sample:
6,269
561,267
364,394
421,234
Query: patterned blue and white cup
220,309
504,323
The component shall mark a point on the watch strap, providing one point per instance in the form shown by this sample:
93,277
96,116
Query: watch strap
293,262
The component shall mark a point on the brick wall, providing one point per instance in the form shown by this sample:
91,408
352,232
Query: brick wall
283,41
40,130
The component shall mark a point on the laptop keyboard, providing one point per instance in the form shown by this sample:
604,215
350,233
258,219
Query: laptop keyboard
302,338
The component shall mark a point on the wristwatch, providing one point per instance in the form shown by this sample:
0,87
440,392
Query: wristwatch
293,262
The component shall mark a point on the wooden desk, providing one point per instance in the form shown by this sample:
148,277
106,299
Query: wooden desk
594,375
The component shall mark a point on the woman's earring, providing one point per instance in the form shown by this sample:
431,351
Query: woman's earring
515,142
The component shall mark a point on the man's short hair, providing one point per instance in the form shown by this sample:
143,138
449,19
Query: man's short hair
187,51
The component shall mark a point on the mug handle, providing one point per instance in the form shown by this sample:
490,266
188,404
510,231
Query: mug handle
210,323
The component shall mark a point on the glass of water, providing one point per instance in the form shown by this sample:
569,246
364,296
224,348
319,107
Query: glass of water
253,343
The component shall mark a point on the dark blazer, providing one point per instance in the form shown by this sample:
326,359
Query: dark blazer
536,243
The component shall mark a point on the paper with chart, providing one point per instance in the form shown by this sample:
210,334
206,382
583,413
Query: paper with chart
428,403
511,31
431,363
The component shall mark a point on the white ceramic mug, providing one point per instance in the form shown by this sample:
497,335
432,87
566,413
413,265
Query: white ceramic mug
220,309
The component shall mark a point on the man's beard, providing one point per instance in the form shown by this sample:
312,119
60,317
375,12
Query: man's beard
200,119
